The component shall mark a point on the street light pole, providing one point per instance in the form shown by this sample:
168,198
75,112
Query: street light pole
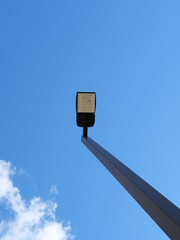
159,208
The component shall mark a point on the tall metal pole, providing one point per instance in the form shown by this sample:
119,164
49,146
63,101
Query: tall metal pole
159,208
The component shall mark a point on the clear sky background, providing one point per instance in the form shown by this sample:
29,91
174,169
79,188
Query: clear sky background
128,52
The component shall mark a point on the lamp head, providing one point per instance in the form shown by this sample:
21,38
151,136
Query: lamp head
85,109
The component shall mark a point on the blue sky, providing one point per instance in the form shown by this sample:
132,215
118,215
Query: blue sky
128,52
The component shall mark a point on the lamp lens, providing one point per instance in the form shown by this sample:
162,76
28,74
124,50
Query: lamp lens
86,103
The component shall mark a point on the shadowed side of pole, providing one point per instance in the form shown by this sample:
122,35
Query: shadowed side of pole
159,208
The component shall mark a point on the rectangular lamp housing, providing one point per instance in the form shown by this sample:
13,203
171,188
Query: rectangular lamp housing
85,108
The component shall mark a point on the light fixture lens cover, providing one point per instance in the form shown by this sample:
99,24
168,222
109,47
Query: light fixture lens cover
86,102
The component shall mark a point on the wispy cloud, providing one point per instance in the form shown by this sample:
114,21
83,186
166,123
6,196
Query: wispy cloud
22,172
33,220
54,189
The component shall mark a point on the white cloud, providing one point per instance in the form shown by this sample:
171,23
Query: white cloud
33,220
54,189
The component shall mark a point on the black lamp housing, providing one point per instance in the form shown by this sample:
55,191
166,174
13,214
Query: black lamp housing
85,109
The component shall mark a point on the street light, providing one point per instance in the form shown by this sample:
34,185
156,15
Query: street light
85,110
159,208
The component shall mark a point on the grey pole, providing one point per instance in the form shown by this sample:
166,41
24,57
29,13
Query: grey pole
159,208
